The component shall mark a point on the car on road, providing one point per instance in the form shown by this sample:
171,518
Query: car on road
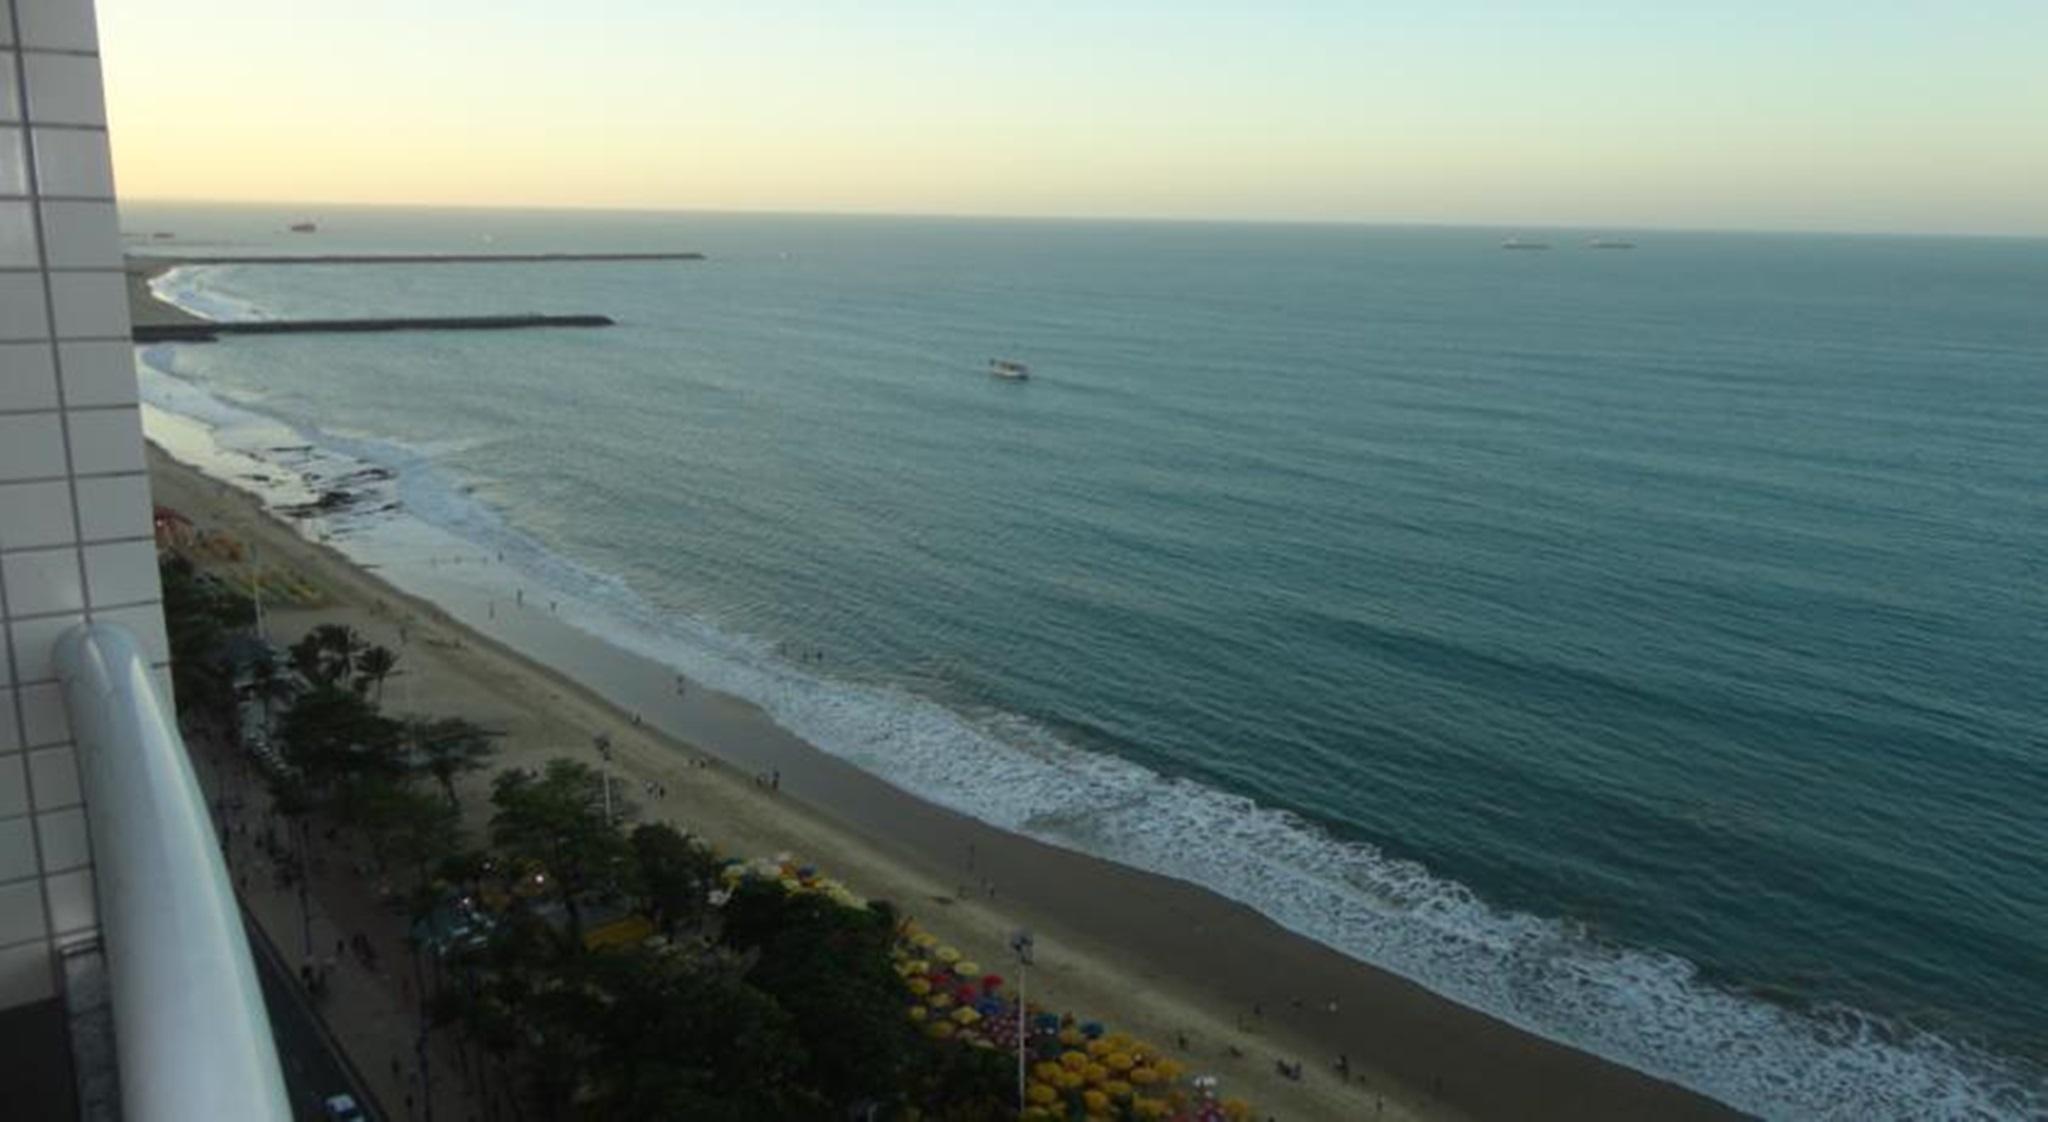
343,1108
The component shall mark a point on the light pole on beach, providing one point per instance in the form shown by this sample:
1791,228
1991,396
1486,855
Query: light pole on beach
1021,943
604,750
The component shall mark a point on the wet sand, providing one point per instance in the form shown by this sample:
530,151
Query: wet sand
1150,955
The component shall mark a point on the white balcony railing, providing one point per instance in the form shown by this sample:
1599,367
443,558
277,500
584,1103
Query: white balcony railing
192,1039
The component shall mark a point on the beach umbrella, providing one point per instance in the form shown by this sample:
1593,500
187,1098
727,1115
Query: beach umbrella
1096,1101
947,955
919,986
991,981
1119,1061
967,968
1073,1061
917,1013
965,1015
1041,1094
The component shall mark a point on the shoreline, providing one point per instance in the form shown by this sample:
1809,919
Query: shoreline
1203,962
1152,956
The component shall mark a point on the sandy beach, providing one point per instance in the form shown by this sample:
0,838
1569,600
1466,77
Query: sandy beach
1163,959
1152,956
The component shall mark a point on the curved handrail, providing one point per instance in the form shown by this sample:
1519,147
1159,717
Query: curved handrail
192,1037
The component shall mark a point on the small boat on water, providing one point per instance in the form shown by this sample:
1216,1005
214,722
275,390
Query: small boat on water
1518,243
1008,371
1608,243
303,228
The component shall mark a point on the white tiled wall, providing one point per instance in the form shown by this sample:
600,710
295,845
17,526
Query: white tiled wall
74,504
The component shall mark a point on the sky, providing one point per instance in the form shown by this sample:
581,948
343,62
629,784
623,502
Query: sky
1881,115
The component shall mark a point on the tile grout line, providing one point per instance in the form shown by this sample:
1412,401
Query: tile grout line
32,150
48,938
128,540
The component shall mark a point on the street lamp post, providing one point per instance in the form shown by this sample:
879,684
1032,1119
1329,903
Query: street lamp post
1021,943
604,750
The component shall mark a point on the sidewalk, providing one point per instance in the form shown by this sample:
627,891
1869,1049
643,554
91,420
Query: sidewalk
371,1003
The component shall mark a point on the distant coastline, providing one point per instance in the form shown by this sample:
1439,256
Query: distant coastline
166,261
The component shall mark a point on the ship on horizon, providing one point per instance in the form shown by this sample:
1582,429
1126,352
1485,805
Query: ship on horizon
1520,243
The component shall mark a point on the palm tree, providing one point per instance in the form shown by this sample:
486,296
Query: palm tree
343,647
373,666
448,746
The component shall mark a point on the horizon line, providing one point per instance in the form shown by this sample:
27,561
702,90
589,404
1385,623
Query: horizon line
980,216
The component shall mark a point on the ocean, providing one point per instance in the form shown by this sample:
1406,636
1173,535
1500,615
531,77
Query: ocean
1645,647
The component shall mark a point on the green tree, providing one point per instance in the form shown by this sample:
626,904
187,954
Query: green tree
682,1036
373,666
407,826
449,746
674,874
199,614
335,736
828,965
326,655
558,823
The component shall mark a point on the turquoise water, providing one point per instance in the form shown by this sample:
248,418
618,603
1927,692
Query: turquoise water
1643,646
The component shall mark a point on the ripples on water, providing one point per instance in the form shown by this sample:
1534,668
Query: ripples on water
1594,637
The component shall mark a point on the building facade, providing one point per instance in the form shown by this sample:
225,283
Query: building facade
75,531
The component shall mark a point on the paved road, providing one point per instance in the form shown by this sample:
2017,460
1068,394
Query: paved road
313,1069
